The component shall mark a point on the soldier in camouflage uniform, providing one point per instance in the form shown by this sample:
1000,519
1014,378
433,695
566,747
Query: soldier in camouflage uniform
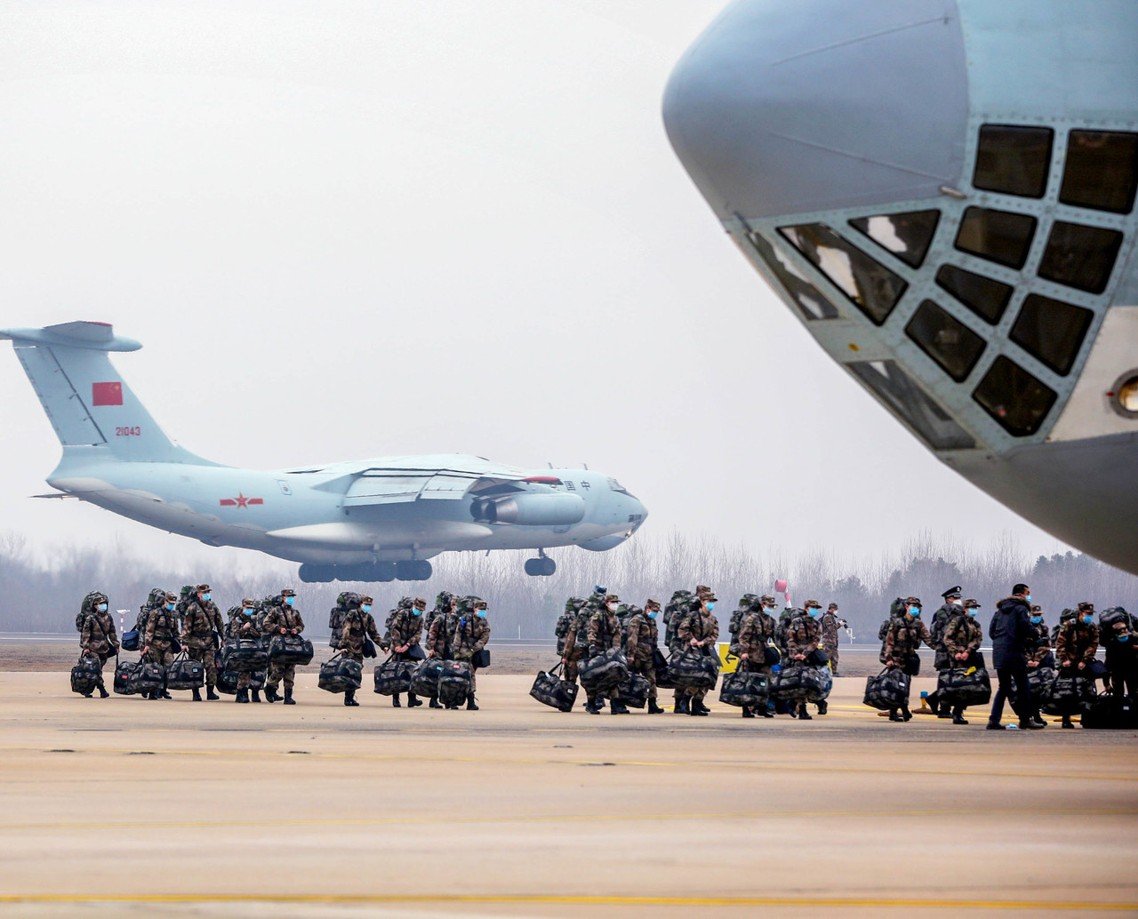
952,604
565,620
284,619
756,633
159,639
359,625
471,635
961,639
576,644
1040,655
405,634
201,636
832,625
442,604
97,636
602,633
803,637
440,634
246,625
902,640
640,648
1076,647
699,631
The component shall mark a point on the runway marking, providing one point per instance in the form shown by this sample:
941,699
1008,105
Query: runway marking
577,817
588,900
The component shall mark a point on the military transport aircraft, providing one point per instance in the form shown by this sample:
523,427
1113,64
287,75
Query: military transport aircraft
375,520
942,191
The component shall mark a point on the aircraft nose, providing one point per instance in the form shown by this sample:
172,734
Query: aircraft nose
792,106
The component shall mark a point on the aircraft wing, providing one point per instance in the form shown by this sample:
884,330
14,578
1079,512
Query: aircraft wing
372,487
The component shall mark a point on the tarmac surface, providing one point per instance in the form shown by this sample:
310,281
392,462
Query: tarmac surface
129,807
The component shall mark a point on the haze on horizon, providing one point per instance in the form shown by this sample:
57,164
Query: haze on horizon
352,230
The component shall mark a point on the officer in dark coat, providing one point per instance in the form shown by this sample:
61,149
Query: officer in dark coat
1013,637
950,607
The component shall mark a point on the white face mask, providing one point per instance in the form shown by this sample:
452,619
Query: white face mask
612,607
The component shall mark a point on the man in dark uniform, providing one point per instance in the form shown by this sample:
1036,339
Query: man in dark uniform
1013,638
942,660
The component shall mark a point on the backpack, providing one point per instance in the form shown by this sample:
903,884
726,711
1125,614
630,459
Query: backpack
745,603
896,611
85,609
674,613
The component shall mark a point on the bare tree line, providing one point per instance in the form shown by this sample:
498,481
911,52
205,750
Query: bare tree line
38,596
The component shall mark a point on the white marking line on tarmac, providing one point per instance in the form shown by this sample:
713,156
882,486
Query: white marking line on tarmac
585,900
875,812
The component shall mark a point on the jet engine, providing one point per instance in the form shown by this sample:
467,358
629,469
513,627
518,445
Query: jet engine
555,510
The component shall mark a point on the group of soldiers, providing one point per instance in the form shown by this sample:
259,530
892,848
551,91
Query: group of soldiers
1069,647
456,629
591,626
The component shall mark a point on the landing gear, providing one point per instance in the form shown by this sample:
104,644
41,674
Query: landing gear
541,567
419,570
383,572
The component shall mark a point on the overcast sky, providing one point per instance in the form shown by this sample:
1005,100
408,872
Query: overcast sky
353,230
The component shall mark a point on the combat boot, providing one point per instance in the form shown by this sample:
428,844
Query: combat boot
958,718
703,709
1026,724
823,707
618,708
653,708
694,708
103,690
895,715
197,695
271,694
1067,721
256,694
350,698
681,707
288,699
471,705
165,694
804,715
87,695
435,702
395,703
210,695
242,695
747,712
413,700
906,715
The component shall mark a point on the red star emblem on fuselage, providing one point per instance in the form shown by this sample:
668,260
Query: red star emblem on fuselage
240,501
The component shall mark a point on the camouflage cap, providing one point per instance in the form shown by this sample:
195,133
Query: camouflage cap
1035,608
611,598
364,598
475,603
701,589
975,604
766,598
248,601
811,604
202,588
652,604
832,606
288,592
420,603
1086,606
171,598
912,601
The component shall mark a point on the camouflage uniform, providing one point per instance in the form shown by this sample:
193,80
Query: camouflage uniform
962,635
1077,643
405,631
344,602
282,620
701,627
441,633
442,604
831,626
640,647
242,626
564,621
756,632
97,637
159,639
803,635
603,634
357,627
1041,654
201,636
576,641
471,634
904,637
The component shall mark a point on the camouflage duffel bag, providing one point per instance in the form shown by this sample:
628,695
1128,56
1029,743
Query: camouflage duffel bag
888,690
634,691
393,676
184,673
227,681
454,683
244,655
744,689
134,677
663,672
339,674
694,671
604,672
549,689
964,687
1111,712
85,675
802,684
1040,680
1070,695
425,679
290,650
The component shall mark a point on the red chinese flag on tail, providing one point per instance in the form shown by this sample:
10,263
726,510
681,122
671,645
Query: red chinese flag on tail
106,393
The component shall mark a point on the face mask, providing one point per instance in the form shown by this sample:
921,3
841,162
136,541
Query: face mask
1124,638
1028,598
915,612
366,607
169,607
1035,620
651,614
1088,619
481,614
814,613
207,597
972,612
102,607
711,607
247,610
611,607
955,602
416,612
290,601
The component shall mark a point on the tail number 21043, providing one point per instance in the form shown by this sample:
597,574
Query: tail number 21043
133,431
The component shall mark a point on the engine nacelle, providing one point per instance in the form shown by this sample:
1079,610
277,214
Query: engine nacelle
530,510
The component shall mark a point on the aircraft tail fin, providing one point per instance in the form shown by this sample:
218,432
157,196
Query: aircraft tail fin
87,401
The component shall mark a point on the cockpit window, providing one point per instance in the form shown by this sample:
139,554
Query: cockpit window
907,236
999,236
1080,256
1013,159
1101,171
870,286
809,299
907,400
986,297
944,338
1014,398
1051,331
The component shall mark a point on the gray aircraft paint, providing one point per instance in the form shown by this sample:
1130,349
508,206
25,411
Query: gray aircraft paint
358,516
793,112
